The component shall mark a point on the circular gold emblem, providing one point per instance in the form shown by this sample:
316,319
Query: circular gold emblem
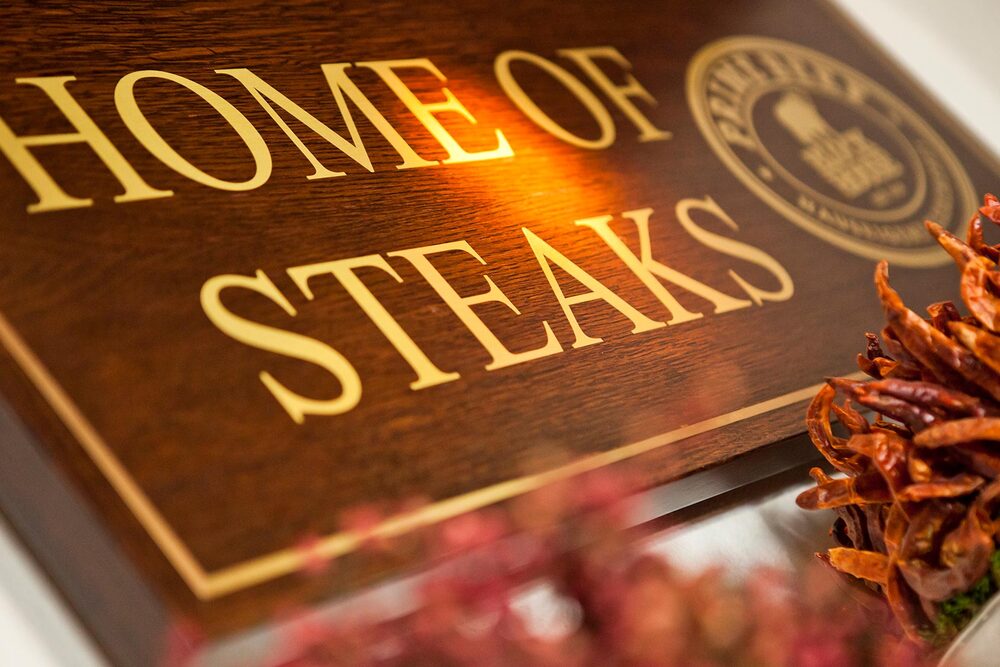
828,148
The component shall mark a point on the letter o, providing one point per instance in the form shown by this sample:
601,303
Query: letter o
517,95
136,121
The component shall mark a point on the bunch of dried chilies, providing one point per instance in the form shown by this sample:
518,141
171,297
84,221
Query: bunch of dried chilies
918,503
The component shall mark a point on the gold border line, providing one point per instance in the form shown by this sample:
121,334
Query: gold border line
286,561
211,585
109,465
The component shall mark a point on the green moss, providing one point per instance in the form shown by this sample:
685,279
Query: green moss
956,612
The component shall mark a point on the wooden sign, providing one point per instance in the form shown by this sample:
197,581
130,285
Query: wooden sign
263,264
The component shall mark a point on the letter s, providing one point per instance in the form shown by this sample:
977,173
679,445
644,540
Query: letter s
282,342
728,246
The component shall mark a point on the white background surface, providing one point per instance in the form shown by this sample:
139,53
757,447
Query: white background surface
950,46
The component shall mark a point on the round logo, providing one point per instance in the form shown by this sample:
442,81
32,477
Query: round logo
828,148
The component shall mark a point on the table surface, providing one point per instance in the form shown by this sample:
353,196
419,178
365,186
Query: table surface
938,44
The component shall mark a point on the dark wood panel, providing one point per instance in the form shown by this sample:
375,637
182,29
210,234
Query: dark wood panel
159,418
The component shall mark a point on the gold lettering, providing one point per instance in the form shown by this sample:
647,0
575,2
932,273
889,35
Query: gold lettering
775,64
340,84
426,112
734,135
545,254
282,342
517,95
343,270
737,73
462,305
620,94
51,197
803,67
648,269
721,108
155,144
733,248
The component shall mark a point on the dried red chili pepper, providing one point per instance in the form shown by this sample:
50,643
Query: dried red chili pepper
830,446
964,556
875,518
975,236
868,565
976,295
914,416
865,489
957,431
931,395
852,420
896,525
962,253
950,362
980,459
984,345
905,604
953,487
991,208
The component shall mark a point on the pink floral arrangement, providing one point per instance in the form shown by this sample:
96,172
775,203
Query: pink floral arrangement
607,601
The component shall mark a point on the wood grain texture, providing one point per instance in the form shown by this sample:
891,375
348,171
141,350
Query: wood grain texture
106,297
